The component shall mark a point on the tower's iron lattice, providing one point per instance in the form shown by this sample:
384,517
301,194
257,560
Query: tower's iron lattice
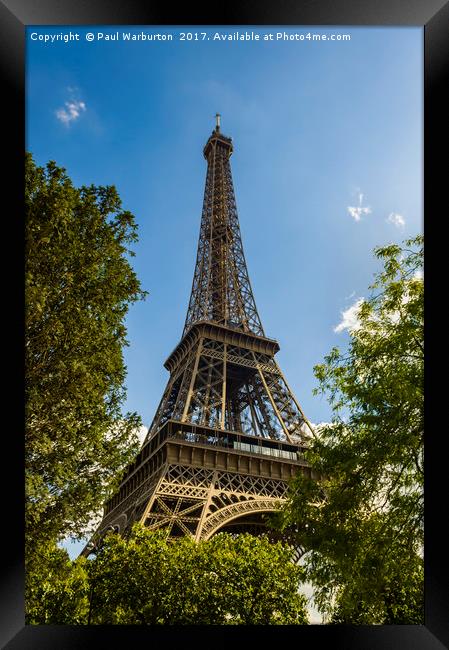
228,433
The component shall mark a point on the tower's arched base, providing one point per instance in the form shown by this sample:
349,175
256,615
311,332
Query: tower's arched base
198,489
254,523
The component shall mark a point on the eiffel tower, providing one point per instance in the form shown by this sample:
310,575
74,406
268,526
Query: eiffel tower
228,433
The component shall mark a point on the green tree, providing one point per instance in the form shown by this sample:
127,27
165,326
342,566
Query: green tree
57,588
229,580
79,285
361,524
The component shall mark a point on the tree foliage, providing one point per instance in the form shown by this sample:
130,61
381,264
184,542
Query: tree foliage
79,285
147,579
362,522
57,588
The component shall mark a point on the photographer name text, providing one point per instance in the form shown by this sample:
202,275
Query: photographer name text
150,36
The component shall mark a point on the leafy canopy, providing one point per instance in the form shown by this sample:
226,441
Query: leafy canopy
79,285
362,522
147,579
57,588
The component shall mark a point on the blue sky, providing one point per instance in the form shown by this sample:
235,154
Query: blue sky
327,165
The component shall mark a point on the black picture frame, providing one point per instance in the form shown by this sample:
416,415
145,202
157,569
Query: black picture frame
15,16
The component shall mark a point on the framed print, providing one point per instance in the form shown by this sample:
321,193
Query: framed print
333,114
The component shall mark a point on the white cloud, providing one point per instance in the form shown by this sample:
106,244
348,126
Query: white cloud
141,433
321,425
396,219
316,428
357,211
71,112
349,318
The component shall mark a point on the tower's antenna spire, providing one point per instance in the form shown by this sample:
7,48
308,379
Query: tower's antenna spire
217,118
